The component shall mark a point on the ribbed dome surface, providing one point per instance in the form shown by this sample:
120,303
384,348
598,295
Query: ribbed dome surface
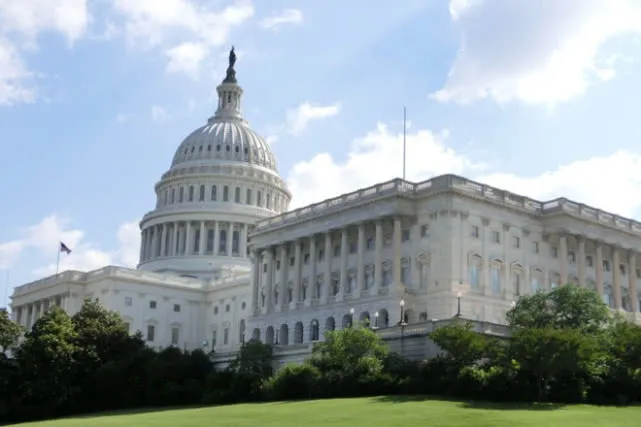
229,140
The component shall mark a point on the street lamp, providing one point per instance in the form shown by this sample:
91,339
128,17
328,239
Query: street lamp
402,324
351,317
375,321
513,304
458,304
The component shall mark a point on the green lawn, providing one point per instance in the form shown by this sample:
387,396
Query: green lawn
366,412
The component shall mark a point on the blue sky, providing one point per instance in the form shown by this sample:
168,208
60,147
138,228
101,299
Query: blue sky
536,97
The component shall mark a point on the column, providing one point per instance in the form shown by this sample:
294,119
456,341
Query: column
311,289
632,281
242,244
598,268
163,242
360,264
147,244
174,250
616,273
143,238
563,254
282,291
202,243
255,259
326,290
189,246
343,271
581,255
216,237
298,265
230,238
396,247
154,242
269,287
378,258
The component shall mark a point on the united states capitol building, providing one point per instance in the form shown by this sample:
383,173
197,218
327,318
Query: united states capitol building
222,260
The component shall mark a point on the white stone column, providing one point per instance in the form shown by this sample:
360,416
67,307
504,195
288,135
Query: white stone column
326,291
632,281
230,238
143,238
189,243
616,273
154,243
563,254
360,263
202,241
396,247
311,285
216,237
298,265
255,260
343,268
269,287
282,291
581,244
378,258
598,268
242,244
163,242
174,240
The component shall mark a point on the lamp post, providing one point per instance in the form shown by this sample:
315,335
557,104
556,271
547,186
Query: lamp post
375,327
458,304
351,317
315,330
402,324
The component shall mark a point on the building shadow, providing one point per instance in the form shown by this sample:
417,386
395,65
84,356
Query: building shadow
493,406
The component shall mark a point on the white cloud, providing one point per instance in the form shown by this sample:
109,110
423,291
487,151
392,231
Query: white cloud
21,22
124,117
536,52
159,114
45,237
186,58
287,16
377,157
186,30
299,118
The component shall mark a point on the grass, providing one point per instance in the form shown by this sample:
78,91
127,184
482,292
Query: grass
367,412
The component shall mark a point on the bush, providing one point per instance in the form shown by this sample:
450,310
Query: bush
293,382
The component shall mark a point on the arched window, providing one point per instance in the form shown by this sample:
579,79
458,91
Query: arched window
181,195
191,193
225,194
235,243
259,199
201,196
237,195
213,193
210,241
249,197
222,244
173,196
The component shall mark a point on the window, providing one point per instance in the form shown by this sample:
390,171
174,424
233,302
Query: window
405,274
264,268
152,305
517,284
151,332
474,277
225,193
226,336
589,261
475,231
496,280
191,193
214,196
248,198
292,261
424,230
215,310
213,339
571,257
554,251
259,199
175,335
405,235
370,244
638,273
277,264
516,242
227,308
496,237
201,195
176,308
622,269
606,265
181,194
535,247
353,248
321,255
243,305
337,250
535,285
222,244
306,258
237,195
128,301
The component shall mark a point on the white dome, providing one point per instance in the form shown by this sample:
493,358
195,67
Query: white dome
226,140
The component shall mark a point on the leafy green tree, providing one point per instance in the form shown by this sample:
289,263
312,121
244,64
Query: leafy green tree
10,332
463,345
46,363
254,358
566,307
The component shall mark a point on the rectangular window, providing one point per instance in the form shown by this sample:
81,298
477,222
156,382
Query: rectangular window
175,335
370,244
622,269
474,277
226,336
606,265
321,255
151,332
496,237
353,248
337,250
176,308
589,261
554,252
128,301
152,305
213,339
535,247
405,235
516,242
306,258
424,230
571,257
475,231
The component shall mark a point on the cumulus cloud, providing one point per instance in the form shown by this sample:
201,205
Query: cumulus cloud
536,52
186,30
286,17
159,114
299,117
21,22
45,237
377,157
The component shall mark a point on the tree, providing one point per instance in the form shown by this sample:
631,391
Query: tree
10,332
463,345
564,307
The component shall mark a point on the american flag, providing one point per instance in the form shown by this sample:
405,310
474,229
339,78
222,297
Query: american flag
64,248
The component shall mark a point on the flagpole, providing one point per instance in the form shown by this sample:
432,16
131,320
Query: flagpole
404,140
58,260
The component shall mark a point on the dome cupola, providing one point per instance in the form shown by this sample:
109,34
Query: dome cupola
222,179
